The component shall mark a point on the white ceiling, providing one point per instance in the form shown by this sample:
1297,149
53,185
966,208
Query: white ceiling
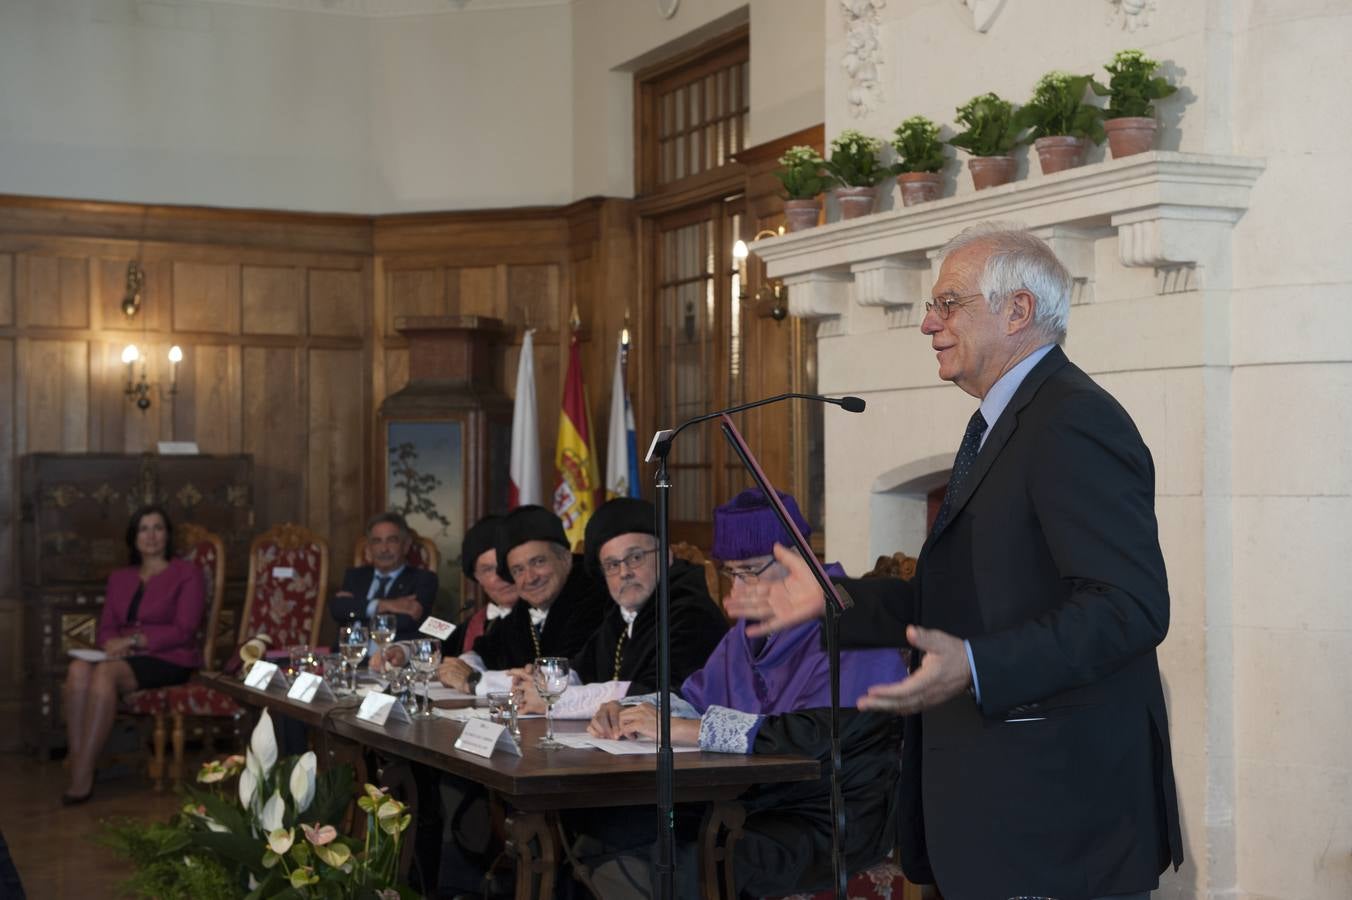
376,9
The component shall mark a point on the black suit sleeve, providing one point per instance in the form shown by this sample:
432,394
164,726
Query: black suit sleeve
357,583
883,607
423,587
1093,492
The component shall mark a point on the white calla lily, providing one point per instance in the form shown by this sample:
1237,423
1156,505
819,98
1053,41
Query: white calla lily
273,812
248,786
263,743
303,781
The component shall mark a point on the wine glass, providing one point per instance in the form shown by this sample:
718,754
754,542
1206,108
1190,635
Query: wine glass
426,656
382,630
551,680
352,641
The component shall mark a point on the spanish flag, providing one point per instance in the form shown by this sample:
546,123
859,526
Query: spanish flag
576,477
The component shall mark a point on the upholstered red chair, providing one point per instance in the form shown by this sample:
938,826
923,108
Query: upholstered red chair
422,553
207,551
288,578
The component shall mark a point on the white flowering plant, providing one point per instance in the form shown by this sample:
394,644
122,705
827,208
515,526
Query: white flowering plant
800,171
276,832
854,160
1134,86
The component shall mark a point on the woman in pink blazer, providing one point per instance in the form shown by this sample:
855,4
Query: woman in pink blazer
151,613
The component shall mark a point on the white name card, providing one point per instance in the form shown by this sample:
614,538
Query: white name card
381,708
309,687
177,448
437,628
262,674
283,572
481,737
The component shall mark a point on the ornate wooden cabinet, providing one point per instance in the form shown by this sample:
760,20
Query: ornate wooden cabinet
73,521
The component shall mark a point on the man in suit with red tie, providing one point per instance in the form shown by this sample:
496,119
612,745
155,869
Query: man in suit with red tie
389,584
1036,757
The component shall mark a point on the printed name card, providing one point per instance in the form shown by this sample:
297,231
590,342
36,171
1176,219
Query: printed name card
263,674
309,687
437,628
381,708
283,572
482,736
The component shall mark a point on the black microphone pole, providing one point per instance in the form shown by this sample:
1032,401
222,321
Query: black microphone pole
658,452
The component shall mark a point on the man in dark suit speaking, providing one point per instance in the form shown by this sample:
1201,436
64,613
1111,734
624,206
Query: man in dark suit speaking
388,585
1036,757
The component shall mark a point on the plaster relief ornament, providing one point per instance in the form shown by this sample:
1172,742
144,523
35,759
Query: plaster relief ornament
1132,14
984,12
863,55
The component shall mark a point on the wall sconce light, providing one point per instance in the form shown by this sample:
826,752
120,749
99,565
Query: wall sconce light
136,282
771,298
138,391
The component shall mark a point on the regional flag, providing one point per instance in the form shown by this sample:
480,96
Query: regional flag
576,478
622,443
525,485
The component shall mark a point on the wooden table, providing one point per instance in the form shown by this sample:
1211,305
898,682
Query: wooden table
540,782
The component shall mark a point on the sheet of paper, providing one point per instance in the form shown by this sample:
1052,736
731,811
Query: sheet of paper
581,741
441,692
88,655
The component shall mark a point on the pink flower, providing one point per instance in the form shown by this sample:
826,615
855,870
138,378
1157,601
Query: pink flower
319,835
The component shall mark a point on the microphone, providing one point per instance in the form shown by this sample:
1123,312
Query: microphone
662,440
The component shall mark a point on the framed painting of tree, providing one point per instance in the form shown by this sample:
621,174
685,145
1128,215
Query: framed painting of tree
424,481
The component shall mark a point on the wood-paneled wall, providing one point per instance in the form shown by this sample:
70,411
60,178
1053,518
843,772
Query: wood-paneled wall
287,327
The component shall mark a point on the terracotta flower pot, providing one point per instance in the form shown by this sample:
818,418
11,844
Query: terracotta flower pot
1060,152
991,171
802,214
1130,134
920,187
855,201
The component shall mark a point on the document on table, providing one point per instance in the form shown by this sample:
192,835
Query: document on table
441,692
580,741
468,713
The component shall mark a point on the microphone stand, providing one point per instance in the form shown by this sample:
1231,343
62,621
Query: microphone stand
658,453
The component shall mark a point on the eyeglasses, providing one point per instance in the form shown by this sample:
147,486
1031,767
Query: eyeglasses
535,565
631,560
746,576
943,306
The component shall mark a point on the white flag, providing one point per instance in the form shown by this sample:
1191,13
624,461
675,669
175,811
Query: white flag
525,468
621,441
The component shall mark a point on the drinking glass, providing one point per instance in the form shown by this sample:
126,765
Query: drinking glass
301,660
382,630
352,641
551,680
502,709
426,656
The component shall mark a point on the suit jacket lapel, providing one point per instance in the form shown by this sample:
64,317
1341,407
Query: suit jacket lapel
1000,434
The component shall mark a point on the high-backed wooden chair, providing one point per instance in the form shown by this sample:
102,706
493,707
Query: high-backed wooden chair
695,556
207,551
885,880
422,553
288,577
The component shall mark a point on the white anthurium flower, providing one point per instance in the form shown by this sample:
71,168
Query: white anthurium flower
263,743
248,786
280,840
303,781
273,811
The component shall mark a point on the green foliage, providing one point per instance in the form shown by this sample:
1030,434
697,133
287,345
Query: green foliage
1134,86
164,865
918,146
854,160
989,128
801,173
1058,108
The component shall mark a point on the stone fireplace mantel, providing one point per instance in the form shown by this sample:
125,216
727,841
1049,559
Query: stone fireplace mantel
1170,211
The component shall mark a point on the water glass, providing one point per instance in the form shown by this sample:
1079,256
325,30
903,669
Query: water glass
382,630
502,709
425,657
551,680
301,660
352,641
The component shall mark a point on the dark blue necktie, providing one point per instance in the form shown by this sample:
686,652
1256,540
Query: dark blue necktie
383,586
962,464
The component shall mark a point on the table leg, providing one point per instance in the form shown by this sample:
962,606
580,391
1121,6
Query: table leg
536,843
719,833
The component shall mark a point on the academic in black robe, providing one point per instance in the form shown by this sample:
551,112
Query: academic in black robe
696,624
573,616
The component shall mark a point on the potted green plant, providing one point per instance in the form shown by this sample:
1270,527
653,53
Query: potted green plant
1062,122
1131,92
800,172
855,167
920,160
990,134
